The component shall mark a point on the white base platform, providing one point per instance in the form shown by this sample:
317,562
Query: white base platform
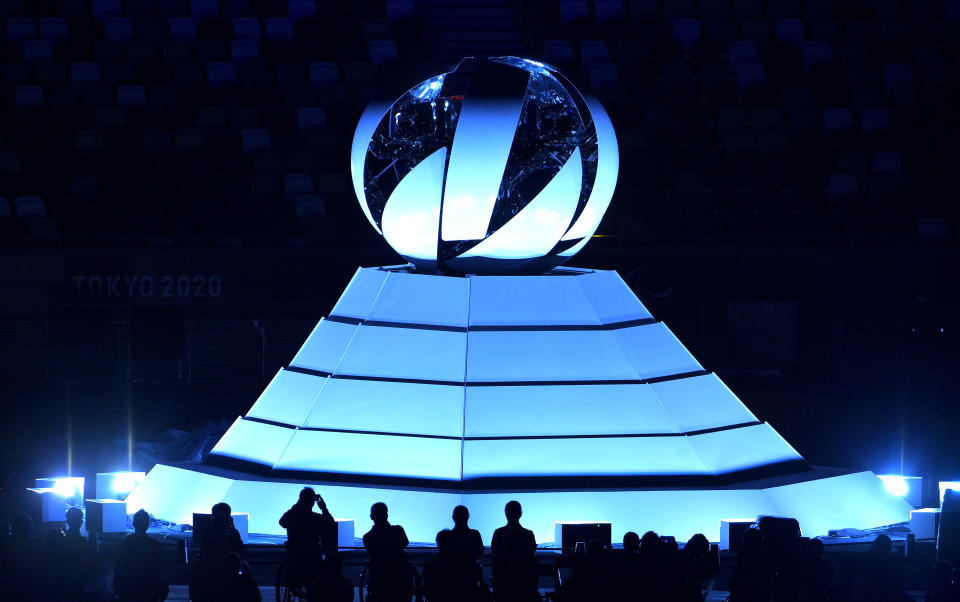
821,500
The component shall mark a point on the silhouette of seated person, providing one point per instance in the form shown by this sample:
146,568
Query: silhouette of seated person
883,573
696,565
515,576
138,572
817,573
308,535
331,585
18,561
627,568
943,588
217,540
592,577
452,576
389,574
751,579
236,584
71,560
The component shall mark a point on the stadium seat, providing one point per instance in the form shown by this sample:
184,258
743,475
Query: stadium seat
323,75
742,52
37,51
311,210
188,73
573,10
244,51
729,118
96,96
256,75
852,162
263,188
110,118
86,187
176,51
278,29
295,184
309,118
53,29
594,51
209,118
254,140
118,74
843,186
182,28
156,141
375,29
267,162
874,120
816,54
750,75
131,97
791,31
686,32
400,9
20,29
235,8
6,212
607,10
603,76
118,29
837,120
290,74
244,118
888,163
89,141
357,74
558,52
301,9
221,75
301,162
9,163
164,97
247,28
50,74
767,118
30,208
382,52
29,97
202,10
106,8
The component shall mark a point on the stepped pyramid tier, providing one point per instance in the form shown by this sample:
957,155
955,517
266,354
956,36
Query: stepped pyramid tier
560,390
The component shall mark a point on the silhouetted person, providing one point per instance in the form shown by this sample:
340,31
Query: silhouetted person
389,573
591,579
235,583
74,560
515,574
817,573
695,567
883,576
467,543
449,577
308,534
626,578
751,580
217,540
943,588
138,573
18,561
332,586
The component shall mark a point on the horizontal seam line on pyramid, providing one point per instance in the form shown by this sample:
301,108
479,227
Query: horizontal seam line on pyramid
494,327
511,383
505,437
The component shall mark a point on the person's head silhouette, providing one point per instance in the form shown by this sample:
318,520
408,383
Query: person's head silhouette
141,520
74,520
460,516
21,526
882,545
650,542
307,497
445,541
514,511
631,542
220,515
378,513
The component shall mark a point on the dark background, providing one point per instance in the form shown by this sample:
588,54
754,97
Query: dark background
790,215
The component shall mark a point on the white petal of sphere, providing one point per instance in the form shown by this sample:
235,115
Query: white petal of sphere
500,166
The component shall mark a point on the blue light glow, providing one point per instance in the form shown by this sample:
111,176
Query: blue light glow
895,484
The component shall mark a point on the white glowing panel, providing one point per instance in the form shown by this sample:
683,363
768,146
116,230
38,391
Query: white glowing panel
533,355
742,448
655,350
288,398
571,456
536,228
253,441
512,301
423,299
411,217
470,192
325,346
701,402
358,298
358,153
611,298
608,165
564,410
117,485
385,455
390,407
411,353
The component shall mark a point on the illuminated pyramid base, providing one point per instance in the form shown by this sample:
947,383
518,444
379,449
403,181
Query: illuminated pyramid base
428,391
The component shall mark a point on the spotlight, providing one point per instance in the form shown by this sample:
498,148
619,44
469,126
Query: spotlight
70,488
117,485
909,488
944,485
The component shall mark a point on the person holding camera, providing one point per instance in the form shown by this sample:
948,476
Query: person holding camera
308,535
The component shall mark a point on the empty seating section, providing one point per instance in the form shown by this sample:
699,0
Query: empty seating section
216,117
